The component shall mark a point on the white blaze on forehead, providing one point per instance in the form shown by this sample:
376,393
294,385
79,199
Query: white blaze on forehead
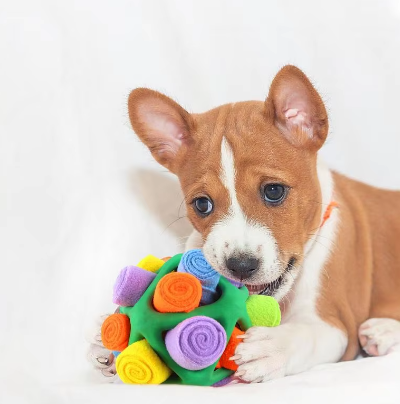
235,233
228,176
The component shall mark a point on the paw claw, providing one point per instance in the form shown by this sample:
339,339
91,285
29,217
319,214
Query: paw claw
99,356
109,372
106,361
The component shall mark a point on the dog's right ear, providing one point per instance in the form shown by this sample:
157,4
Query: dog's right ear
161,124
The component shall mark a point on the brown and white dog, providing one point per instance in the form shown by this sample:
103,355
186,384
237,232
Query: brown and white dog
267,212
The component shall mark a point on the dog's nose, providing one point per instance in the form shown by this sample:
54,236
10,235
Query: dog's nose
243,266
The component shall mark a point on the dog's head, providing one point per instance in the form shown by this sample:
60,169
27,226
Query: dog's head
249,175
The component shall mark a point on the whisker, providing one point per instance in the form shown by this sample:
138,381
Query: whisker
323,245
179,218
319,235
316,202
183,237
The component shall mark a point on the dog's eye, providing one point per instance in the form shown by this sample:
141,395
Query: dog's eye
274,194
203,206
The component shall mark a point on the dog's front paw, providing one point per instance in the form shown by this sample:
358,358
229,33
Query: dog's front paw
379,336
263,354
102,359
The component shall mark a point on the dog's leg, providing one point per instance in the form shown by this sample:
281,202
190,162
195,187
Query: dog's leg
379,336
291,348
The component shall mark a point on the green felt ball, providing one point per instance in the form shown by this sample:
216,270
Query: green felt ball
263,311
149,324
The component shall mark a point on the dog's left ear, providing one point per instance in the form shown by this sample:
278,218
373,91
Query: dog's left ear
297,109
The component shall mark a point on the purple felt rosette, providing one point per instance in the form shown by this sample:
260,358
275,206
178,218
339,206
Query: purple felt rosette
130,285
196,343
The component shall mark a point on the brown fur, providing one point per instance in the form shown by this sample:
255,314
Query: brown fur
363,274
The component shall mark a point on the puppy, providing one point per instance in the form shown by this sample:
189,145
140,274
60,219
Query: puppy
268,213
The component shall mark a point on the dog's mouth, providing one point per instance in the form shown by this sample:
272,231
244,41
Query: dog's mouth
270,288
266,288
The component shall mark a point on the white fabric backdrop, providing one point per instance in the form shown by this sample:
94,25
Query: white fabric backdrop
81,197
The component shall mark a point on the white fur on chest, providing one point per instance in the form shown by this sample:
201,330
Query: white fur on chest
303,340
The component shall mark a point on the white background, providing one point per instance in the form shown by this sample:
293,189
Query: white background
81,197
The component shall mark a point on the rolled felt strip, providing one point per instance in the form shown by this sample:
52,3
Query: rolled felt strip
115,332
196,342
194,262
177,293
165,259
130,285
151,263
230,351
263,311
139,364
223,382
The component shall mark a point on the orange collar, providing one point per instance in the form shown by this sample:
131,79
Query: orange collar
328,212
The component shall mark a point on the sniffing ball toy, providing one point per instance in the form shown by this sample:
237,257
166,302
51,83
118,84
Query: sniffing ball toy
178,321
